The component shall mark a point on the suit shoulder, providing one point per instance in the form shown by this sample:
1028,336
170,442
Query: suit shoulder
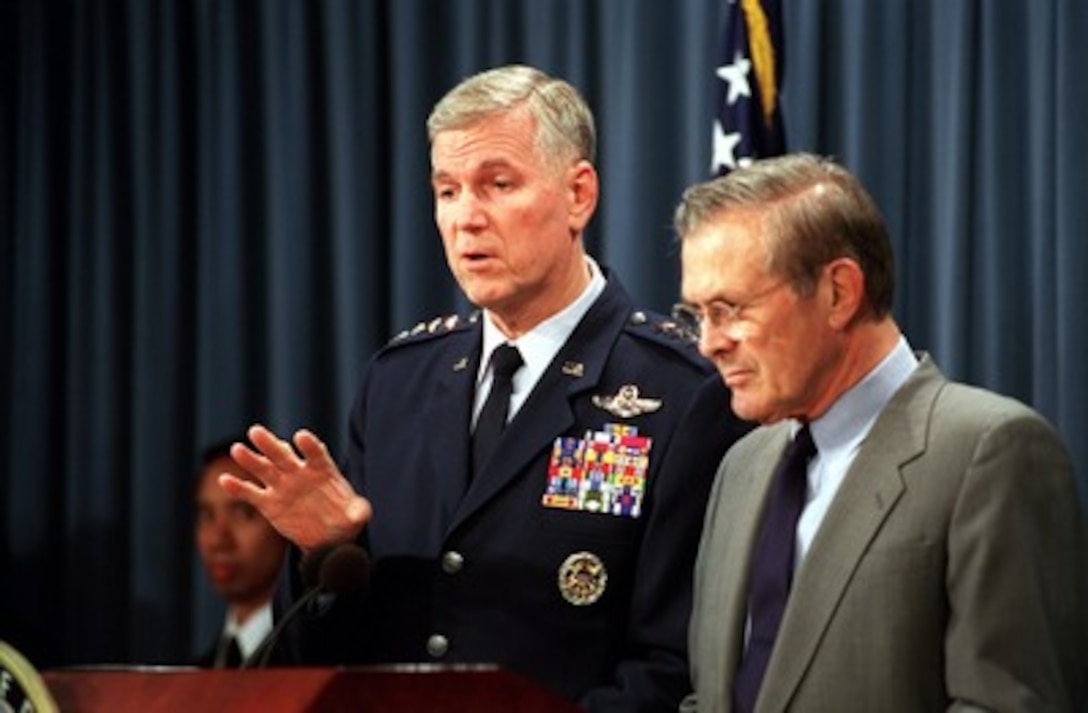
761,441
976,396
963,409
431,330
650,327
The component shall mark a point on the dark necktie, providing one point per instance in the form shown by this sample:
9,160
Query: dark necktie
772,567
492,420
228,655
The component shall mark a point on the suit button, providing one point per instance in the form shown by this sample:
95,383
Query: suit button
452,562
437,645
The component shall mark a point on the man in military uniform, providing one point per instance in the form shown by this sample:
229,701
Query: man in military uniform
566,552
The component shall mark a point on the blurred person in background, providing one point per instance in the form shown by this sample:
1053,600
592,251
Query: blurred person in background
242,556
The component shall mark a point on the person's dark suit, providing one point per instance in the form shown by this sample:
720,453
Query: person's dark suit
480,567
950,570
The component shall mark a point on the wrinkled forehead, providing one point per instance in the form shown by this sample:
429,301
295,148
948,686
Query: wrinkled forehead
734,239
723,254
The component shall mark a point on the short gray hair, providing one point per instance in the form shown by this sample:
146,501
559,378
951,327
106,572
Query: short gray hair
566,126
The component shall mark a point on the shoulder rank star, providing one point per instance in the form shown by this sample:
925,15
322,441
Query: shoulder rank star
626,403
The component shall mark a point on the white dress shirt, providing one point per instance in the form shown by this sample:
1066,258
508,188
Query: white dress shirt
538,346
251,633
839,433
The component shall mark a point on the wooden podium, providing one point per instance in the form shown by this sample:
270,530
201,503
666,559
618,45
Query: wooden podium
402,689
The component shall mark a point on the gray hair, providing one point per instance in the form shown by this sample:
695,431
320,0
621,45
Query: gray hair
565,123
812,211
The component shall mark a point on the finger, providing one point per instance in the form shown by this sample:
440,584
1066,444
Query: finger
252,462
242,489
276,450
314,450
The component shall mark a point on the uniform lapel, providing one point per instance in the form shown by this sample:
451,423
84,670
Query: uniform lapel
549,410
870,491
449,410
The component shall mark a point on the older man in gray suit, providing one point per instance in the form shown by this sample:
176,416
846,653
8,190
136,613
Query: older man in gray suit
936,555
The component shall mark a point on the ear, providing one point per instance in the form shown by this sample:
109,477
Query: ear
584,187
847,291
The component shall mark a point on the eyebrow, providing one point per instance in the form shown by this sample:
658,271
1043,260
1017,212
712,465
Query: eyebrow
717,296
491,164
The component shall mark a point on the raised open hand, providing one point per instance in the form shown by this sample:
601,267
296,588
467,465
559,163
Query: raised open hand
302,493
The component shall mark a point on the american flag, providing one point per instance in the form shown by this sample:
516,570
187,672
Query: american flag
747,122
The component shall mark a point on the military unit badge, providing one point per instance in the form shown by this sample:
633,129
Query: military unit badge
582,578
604,472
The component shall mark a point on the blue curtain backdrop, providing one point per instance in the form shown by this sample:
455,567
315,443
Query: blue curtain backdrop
214,211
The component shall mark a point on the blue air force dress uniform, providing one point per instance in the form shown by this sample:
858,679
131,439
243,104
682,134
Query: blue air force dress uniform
569,557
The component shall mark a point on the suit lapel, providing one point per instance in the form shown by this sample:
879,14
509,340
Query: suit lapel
869,492
744,502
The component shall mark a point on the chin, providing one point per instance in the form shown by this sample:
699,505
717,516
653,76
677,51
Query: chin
491,300
751,412
479,292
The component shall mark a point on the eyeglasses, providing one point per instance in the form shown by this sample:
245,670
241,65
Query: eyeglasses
690,320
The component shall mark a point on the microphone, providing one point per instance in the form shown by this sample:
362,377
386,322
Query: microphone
336,569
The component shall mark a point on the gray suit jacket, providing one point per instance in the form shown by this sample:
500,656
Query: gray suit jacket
950,572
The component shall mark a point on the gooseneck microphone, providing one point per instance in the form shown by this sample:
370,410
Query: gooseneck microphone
338,569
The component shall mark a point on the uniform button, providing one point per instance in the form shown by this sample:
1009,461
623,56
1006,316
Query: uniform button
452,562
638,317
437,645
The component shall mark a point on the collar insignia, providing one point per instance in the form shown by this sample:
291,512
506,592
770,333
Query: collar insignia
574,368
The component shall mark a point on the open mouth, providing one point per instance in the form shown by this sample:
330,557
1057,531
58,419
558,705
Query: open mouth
476,259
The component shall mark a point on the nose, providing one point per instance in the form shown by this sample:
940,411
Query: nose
220,533
717,339
467,214
706,346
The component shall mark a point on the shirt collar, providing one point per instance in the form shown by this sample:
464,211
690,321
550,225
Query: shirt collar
539,345
854,413
251,633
